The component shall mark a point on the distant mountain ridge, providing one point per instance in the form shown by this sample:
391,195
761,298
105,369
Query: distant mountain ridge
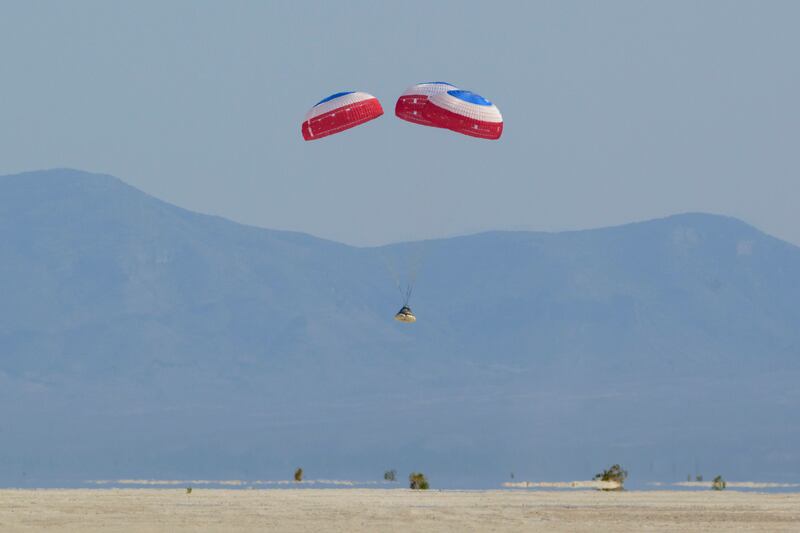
138,339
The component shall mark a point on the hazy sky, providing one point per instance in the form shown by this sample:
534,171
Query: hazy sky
614,111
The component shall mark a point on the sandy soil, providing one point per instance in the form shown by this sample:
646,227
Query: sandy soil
393,510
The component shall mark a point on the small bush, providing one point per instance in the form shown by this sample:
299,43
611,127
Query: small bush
298,475
418,481
616,473
390,475
188,490
718,483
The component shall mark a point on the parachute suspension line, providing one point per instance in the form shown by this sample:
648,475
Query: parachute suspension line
395,275
413,256
403,294
407,296
404,289
414,262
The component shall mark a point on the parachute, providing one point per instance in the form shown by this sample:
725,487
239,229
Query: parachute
464,112
410,104
339,112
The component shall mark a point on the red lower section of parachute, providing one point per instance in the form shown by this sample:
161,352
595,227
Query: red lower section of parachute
461,124
341,119
410,108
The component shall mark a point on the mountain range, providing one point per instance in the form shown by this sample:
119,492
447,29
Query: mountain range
139,339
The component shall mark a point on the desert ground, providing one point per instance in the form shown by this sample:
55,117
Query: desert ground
394,510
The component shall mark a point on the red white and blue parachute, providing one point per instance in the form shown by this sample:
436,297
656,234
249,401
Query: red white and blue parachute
410,104
436,103
464,112
339,112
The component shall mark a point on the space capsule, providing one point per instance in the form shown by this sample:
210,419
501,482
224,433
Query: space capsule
405,315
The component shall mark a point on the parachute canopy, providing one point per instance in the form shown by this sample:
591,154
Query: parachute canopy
464,112
405,315
339,112
409,105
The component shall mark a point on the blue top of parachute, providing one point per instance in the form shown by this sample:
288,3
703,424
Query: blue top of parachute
331,97
469,96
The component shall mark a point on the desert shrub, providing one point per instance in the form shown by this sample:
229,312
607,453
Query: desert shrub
418,481
298,475
616,473
718,483
188,490
390,475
